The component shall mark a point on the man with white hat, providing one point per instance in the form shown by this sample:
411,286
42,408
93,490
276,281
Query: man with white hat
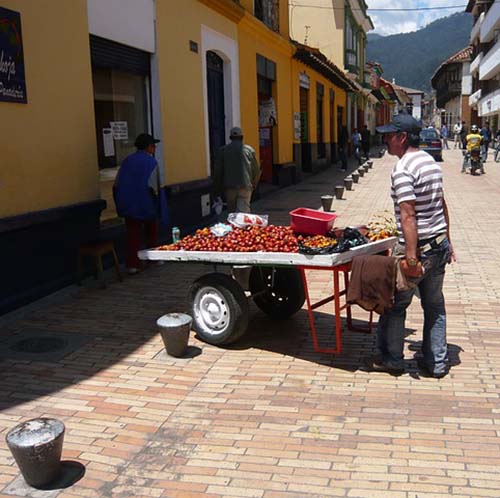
237,172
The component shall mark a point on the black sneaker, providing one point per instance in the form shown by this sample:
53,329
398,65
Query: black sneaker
436,375
378,365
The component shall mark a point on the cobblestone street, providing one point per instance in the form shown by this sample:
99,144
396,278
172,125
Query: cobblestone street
268,417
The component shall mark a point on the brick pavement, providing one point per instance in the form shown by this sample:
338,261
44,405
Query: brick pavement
268,417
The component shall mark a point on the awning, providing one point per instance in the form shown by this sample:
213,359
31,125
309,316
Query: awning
317,61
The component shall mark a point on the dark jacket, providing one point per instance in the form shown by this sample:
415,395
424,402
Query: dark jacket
236,167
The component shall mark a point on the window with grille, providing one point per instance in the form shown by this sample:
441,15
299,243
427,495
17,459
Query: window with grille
268,12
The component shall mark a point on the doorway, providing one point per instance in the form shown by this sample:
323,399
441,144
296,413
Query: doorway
332,127
304,129
216,111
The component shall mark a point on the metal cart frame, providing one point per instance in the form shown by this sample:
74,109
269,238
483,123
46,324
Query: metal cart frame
219,288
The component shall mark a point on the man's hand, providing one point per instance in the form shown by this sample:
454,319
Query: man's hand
452,257
412,271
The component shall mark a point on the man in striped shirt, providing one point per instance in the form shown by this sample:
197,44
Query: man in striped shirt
423,224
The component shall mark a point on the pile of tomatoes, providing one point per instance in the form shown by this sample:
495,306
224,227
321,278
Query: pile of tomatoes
251,239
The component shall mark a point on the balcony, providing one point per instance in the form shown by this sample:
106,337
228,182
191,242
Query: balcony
474,98
448,92
491,23
476,28
474,66
490,64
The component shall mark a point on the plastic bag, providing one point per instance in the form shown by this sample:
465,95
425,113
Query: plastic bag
316,250
242,220
220,229
351,238
218,206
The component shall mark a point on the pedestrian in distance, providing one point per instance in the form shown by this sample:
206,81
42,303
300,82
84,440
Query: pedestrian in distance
424,243
457,129
497,146
444,136
237,172
139,198
463,135
486,134
365,141
343,140
356,145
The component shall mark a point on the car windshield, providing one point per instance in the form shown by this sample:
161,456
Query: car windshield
428,134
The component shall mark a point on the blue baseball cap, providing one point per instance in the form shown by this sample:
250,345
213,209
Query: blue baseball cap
401,123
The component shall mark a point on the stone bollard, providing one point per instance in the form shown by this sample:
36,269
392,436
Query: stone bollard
37,446
361,171
355,176
174,330
339,191
326,202
348,182
370,164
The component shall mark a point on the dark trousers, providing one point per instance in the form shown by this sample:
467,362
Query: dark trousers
135,230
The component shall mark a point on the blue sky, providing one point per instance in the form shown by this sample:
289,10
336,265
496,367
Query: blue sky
389,23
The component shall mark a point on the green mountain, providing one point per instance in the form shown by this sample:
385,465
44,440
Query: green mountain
412,58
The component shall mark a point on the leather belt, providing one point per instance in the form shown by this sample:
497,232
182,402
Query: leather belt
433,243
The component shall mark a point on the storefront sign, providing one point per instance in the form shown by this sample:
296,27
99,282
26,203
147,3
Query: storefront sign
296,125
12,79
267,113
120,130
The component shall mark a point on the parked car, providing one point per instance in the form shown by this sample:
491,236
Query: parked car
430,141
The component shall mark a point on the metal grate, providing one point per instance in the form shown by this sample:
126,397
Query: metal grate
33,344
36,345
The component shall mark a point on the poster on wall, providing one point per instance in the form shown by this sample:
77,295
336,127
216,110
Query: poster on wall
108,142
267,113
297,125
12,78
120,130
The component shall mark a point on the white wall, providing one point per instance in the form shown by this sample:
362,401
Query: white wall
490,104
131,22
417,105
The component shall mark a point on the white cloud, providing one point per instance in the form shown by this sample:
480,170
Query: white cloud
389,23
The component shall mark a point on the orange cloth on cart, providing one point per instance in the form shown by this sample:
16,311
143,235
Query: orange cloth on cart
373,282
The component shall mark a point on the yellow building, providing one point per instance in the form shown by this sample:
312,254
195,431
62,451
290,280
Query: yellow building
338,29
185,72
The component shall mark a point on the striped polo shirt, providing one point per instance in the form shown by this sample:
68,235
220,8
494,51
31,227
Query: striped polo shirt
417,177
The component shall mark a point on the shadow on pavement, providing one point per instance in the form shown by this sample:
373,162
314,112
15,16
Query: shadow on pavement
292,337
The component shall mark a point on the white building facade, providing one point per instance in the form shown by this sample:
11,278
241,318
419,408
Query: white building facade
485,65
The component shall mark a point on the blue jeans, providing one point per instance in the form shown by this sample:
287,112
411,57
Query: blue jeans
484,152
391,326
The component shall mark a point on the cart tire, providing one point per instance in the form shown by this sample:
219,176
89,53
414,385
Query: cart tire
284,298
219,309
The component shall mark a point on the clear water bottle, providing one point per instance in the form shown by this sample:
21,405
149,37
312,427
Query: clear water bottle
176,234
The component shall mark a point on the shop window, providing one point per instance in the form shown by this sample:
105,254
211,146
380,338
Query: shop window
120,77
121,113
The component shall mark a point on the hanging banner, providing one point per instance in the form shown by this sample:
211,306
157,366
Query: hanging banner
12,79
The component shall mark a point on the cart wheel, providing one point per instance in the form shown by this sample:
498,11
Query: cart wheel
280,298
219,308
